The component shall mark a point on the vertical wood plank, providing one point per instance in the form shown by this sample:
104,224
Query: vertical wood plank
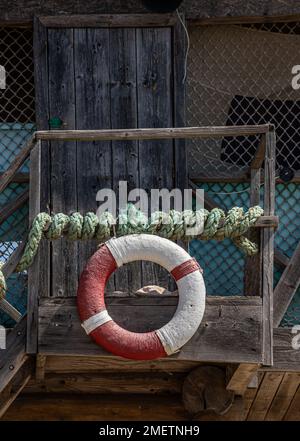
39,197
94,159
33,271
155,109
293,412
268,249
125,155
284,396
252,276
265,396
40,46
63,156
179,92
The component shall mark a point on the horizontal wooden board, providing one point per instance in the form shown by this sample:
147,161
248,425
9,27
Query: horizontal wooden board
107,364
152,133
238,11
230,330
109,21
97,408
106,383
286,358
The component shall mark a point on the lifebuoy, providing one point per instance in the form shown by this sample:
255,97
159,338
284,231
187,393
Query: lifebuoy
150,345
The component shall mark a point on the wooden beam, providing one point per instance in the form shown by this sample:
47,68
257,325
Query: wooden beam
280,259
10,310
155,133
18,178
259,155
10,266
91,365
109,383
253,264
12,358
15,386
8,175
8,209
34,270
40,368
221,12
267,246
230,330
7,269
242,378
135,407
108,20
287,287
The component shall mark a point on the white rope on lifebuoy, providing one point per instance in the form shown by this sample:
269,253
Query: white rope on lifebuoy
164,341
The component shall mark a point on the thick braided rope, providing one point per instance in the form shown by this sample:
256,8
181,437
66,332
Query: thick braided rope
186,225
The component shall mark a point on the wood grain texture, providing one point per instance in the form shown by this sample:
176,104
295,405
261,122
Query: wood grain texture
15,386
61,67
108,364
253,265
137,407
241,378
33,271
293,412
12,358
267,246
285,357
127,95
18,178
287,287
40,47
92,91
22,11
109,21
155,109
265,396
284,396
156,133
125,154
230,330
109,383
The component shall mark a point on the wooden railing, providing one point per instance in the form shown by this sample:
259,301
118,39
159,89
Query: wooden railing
262,264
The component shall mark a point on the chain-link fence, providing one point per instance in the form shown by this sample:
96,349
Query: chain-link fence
243,75
17,118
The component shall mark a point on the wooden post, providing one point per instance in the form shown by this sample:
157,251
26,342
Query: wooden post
33,271
268,249
252,279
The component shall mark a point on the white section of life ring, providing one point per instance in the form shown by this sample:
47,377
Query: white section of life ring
191,288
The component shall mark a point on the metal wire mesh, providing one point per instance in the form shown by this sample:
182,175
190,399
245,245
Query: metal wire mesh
17,116
242,75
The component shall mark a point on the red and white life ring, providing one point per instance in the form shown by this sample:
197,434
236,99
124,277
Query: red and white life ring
150,345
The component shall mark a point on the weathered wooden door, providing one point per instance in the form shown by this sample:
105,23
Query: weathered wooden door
97,76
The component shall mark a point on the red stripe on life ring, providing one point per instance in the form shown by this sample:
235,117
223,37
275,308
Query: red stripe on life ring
111,336
187,267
